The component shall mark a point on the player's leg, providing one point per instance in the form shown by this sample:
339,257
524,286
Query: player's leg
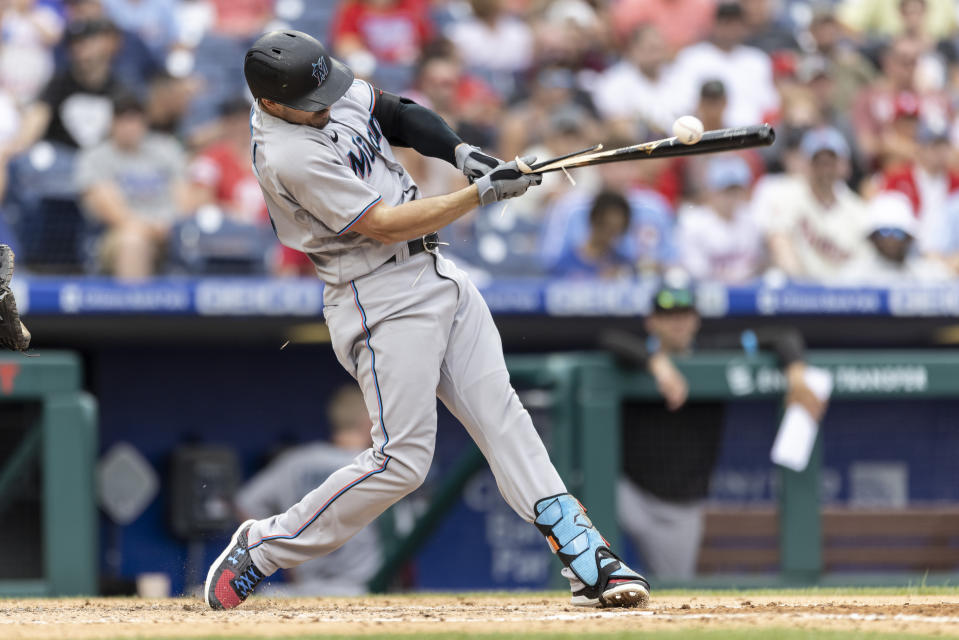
394,348
667,534
475,386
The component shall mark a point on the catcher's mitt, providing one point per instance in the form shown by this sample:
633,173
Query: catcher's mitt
13,335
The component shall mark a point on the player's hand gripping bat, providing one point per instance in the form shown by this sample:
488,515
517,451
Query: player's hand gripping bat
760,135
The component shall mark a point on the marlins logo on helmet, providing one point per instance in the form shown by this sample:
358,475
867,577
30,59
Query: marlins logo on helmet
320,70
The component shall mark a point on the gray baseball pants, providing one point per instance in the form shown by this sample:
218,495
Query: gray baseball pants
668,534
410,332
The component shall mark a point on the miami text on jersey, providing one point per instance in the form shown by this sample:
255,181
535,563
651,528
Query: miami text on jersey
362,161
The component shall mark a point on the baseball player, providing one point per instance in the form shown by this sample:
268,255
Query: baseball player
13,335
403,320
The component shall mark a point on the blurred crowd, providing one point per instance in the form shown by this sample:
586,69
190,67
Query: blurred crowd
124,140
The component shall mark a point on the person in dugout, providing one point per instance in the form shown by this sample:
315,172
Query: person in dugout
669,449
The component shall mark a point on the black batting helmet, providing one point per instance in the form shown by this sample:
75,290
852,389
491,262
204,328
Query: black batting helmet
294,69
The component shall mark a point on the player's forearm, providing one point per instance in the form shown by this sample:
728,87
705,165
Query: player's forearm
417,217
786,342
627,347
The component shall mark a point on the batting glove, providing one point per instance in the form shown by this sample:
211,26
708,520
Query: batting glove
506,181
473,162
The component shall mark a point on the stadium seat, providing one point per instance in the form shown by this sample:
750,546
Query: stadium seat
211,244
43,209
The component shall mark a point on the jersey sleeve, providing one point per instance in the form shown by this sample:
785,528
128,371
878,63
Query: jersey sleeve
364,93
330,191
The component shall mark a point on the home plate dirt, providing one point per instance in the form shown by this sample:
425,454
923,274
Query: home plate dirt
936,615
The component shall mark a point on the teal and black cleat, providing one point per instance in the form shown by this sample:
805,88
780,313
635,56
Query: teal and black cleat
596,576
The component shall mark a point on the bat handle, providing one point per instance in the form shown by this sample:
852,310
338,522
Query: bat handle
525,168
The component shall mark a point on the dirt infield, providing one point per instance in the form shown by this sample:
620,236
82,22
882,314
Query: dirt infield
934,615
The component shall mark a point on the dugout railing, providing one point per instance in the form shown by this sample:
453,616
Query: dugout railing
59,445
588,390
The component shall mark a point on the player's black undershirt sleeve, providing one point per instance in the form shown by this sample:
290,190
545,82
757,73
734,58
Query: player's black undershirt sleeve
786,342
407,124
628,348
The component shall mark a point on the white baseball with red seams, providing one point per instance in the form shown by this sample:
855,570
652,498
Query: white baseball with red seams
688,129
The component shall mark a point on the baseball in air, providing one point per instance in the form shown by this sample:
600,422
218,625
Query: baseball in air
688,129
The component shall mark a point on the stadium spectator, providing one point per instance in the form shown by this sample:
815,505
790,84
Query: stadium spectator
438,78
394,32
712,104
194,18
220,173
153,20
26,59
527,123
931,69
898,140
914,14
721,240
669,451
296,472
880,18
481,112
570,129
9,127
816,225
570,33
817,75
891,231
928,182
695,24
710,110
494,43
75,107
241,18
649,245
635,92
132,183
598,256
133,63
767,30
850,70
875,106
942,244
745,71
168,102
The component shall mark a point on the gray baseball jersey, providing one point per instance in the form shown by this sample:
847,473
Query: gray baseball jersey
319,182
409,330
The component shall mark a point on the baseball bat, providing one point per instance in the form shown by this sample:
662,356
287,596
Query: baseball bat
759,135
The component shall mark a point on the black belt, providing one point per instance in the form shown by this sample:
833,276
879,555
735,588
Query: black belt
429,242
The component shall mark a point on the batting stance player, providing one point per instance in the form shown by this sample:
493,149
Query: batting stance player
403,320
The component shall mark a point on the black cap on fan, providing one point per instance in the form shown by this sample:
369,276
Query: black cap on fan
294,69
